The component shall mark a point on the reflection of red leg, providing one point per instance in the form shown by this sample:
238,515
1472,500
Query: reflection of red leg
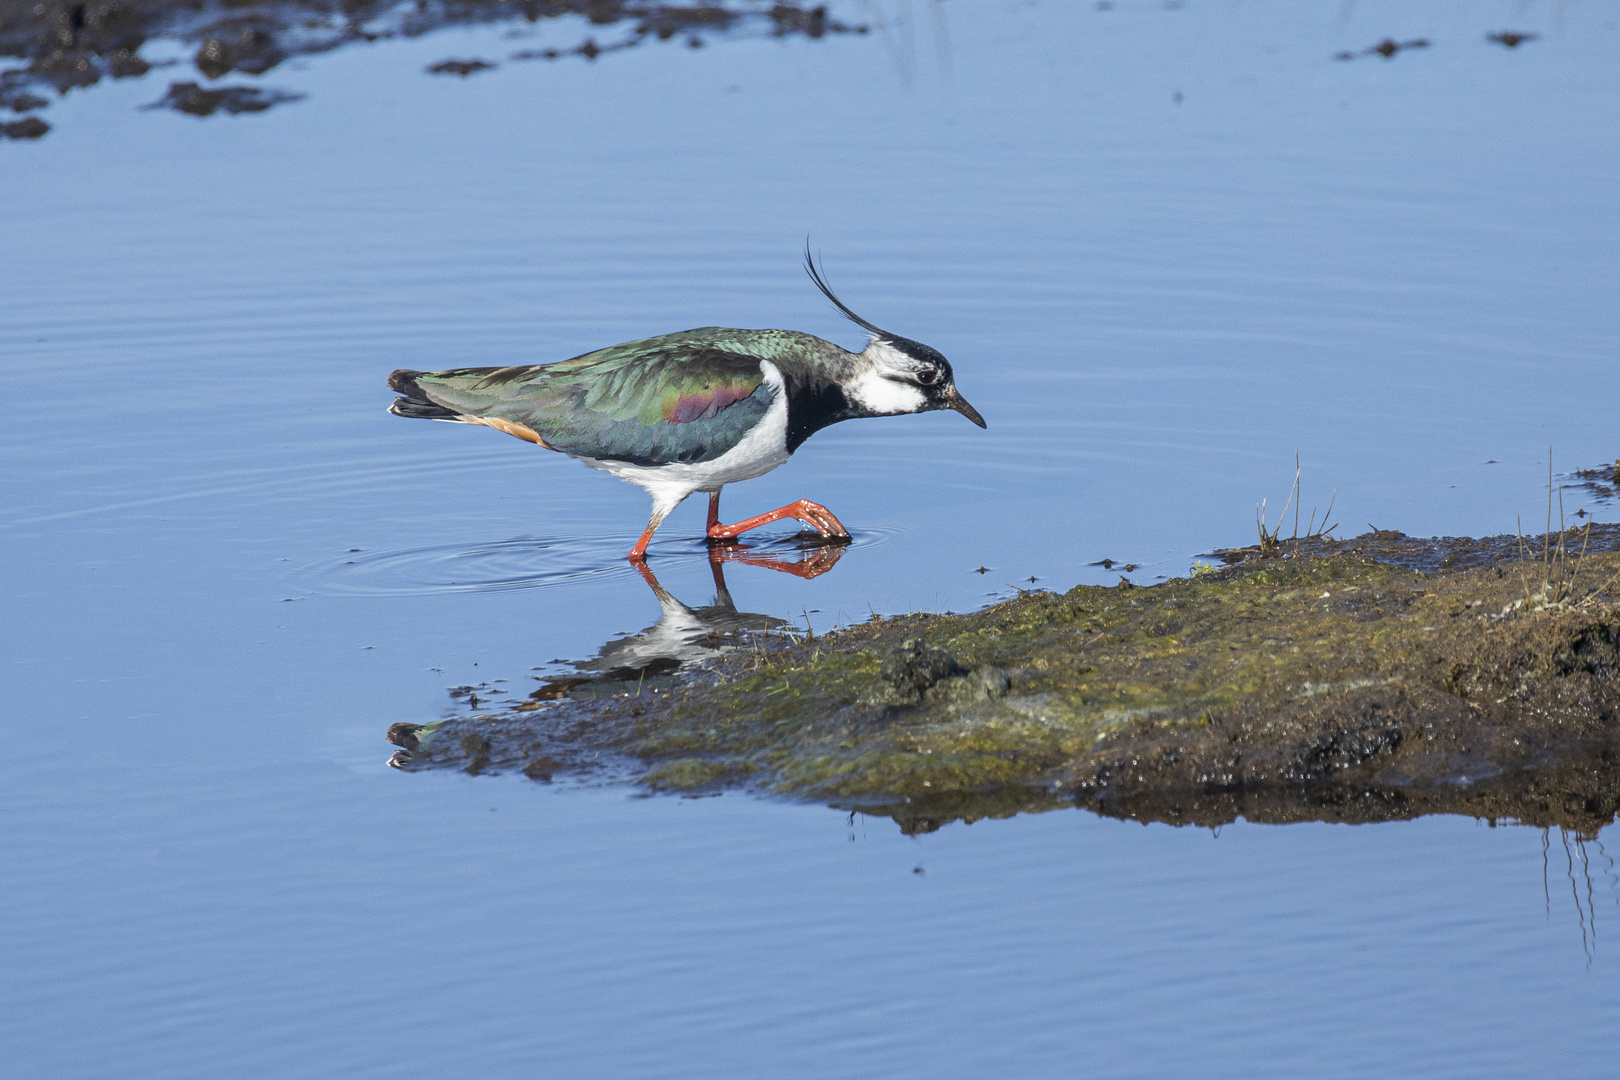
815,564
815,515
641,568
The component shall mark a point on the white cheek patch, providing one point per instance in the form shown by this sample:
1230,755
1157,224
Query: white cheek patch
885,397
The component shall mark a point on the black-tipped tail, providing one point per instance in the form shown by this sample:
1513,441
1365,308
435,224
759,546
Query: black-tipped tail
415,405
422,410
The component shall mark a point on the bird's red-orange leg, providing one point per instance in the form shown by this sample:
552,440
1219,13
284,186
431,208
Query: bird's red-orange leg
815,515
639,552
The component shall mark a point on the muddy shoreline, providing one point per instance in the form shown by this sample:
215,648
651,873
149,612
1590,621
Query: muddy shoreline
1371,679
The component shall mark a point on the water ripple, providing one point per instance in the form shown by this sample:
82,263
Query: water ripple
521,562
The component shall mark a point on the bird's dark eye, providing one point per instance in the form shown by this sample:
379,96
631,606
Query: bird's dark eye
928,376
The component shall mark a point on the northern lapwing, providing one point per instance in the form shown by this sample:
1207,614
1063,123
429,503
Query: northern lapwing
695,410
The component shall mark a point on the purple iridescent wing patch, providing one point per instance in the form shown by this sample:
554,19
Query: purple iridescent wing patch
703,404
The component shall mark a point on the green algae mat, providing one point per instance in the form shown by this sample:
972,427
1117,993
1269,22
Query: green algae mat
1359,680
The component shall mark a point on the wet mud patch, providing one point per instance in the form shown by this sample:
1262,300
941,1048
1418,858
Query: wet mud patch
1432,554
1601,482
66,45
1378,677
29,127
194,100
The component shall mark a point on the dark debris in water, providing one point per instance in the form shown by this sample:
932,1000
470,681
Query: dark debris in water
462,68
66,45
194,100
1511,39
1386,48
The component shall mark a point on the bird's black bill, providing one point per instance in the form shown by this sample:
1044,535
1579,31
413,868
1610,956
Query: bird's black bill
959,403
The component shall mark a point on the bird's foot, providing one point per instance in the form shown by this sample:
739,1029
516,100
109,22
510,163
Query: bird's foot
813,514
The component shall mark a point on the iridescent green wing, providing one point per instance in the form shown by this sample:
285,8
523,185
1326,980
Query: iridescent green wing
686,397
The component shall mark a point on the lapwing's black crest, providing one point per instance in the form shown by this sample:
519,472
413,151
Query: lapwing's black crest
826,290
925,354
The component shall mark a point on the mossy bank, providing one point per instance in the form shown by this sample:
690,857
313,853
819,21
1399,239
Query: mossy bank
1335,682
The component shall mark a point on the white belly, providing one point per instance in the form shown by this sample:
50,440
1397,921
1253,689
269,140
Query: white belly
760,451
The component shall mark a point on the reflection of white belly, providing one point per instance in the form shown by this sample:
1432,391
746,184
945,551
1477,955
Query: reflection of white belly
760,451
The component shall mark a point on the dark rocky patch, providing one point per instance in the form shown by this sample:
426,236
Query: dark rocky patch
29,127
246,44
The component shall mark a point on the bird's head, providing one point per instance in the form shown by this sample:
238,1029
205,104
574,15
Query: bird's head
905,376
897,375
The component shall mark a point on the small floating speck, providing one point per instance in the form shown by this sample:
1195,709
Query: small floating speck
1510,38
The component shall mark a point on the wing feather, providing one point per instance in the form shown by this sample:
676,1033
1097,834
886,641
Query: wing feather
687,397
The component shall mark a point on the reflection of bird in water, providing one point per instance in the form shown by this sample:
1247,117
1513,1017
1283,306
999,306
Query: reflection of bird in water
683,634
695,410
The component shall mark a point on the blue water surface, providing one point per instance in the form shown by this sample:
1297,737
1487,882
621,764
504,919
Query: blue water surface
1166,246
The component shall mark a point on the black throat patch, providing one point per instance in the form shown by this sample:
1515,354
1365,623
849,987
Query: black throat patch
812,407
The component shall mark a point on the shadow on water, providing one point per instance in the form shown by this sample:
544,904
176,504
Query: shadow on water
69,45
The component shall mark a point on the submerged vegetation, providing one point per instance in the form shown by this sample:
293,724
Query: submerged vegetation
1381,676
